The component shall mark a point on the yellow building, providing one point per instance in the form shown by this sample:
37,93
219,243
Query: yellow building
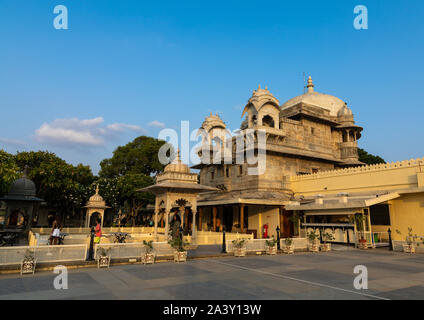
388,195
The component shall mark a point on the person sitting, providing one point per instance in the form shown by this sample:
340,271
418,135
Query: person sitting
55,233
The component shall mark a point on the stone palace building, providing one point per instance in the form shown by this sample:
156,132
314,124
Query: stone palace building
310,133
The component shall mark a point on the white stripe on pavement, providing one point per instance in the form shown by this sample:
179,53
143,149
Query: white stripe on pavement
298,280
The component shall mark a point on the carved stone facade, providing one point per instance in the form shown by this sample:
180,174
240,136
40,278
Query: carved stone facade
310,133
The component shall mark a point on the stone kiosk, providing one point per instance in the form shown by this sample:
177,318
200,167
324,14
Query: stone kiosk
176,191
21,204
96,207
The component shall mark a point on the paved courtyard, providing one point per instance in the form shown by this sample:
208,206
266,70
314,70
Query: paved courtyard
300,276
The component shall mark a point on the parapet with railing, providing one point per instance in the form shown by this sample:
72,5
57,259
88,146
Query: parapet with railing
361,169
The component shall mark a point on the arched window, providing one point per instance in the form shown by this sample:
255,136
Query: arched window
268,121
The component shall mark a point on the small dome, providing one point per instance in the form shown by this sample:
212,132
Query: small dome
345,111
177,165
213,121
23,187
325,101
96,199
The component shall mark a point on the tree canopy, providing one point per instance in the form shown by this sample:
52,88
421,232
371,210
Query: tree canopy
368,158
60,184
8,171
139,156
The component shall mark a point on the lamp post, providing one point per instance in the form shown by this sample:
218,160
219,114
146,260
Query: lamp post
278,237
91,249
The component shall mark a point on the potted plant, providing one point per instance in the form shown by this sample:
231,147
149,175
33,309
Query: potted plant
359,220
180,252
288,246
409,247
28,263
313,241
326,237
149,256
239,247
271,246
103,257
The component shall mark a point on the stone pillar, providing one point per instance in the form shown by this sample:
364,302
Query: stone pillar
181,210
200,218
156,225
167,212
193,227
221,217
186,211
214,218
242,218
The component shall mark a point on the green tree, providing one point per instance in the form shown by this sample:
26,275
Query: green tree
130,197
8,171
368,158
137,157
61,185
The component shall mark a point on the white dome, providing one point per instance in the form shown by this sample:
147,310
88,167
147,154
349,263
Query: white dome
325,101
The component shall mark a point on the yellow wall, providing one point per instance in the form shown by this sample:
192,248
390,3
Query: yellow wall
260,215
407,211
402,177
394,176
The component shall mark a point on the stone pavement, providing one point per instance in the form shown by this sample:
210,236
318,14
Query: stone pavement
299,276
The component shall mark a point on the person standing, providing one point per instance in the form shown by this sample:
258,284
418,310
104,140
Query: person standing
98,230
176,224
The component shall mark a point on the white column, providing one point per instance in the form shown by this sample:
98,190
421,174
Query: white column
182,209
193,228
166,224
156,225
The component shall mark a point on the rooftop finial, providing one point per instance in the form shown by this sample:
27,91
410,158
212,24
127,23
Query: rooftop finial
259,87
97,188
25,175
310,85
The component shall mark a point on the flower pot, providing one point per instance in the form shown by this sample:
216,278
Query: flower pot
148,258
289,249
239,252
408,248
314,246
28,266
326,247
363,245
271,250
103,262
180,256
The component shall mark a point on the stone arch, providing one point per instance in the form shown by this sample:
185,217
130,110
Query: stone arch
268,121
93,218
16,218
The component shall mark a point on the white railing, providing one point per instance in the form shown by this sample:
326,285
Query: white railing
398,246
83,230
298,243
211,237
14,255
252,245
133,250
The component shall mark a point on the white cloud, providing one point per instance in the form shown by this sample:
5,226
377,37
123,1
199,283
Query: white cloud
12,142
156,124
77,132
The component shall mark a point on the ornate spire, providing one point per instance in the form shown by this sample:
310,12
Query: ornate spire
97,188
25,174
310,85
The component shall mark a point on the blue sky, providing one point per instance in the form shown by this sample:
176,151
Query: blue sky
125,68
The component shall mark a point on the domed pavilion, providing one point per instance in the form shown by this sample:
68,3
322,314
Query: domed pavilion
21,203
96,207
176,191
